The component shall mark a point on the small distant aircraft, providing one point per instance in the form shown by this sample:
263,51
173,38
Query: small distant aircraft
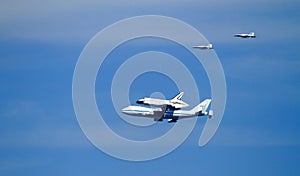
167,110
209,46
250,35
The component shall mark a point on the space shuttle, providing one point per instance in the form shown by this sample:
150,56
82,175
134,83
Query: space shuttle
175,102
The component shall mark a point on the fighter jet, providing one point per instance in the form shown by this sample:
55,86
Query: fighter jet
166,111
209,46
250,35
175,103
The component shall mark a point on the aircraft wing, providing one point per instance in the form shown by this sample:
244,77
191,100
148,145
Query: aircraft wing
172,105
159,116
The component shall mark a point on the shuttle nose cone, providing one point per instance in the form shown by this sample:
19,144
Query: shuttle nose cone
140,101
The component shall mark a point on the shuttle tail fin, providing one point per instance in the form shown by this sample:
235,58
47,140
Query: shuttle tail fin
178,96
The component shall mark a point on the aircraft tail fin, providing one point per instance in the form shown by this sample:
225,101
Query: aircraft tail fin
202,107
251,34
178,96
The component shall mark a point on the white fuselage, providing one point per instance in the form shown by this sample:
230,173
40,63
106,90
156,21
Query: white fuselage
250,35
151,112
209,46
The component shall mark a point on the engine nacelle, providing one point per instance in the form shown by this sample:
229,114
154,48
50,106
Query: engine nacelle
210,114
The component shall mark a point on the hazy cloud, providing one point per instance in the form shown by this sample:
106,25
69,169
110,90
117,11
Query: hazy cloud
73,21
243,136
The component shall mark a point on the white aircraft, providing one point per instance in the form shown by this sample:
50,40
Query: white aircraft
166,111
250,35
209,46
175,103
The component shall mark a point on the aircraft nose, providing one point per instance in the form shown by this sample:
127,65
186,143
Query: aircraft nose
140,101
126,109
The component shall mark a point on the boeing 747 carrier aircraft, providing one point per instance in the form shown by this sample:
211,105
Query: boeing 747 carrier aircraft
168,109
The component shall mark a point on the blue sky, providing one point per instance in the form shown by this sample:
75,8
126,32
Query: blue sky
41,42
